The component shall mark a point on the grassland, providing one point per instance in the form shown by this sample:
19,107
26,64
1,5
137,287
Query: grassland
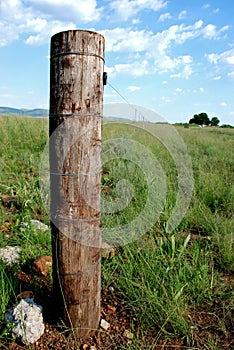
177,287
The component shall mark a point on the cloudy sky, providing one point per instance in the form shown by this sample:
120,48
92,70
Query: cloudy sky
175,56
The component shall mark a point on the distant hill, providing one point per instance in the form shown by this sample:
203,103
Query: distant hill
40,112
37,112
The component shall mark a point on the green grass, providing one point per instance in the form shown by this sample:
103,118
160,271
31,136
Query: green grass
165,278
23,140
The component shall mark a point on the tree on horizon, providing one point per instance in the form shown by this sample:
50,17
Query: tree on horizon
200,119
214,121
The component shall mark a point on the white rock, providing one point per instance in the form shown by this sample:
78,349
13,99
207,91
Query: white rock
36,225
111,289
104,324
28,320
10,255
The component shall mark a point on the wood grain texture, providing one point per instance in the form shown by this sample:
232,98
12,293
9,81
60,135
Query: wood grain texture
76,99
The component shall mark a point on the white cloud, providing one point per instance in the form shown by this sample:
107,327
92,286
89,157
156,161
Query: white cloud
50,29
167,63
126,39
201,89
223,104
178,90
155,48
36,24
135,69
216,10
184,74
11,10
211,32
164,16
136,21
39,19
69,10
165,82
218,77
8,34
206,6
226,57
213,58
187,59
224,28
230,59
11,16
182,14
231,74
133,88
165,99
128,8
122,39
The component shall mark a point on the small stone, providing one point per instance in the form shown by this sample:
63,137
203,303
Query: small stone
6,228
107,251
10,255
104,324
35,225
110,308
28,321
92,347
111,289
128,334
85,347
42,264
27,294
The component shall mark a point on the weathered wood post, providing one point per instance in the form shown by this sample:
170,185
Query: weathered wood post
76,93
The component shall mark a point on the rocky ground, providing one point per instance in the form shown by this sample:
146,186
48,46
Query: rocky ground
122,330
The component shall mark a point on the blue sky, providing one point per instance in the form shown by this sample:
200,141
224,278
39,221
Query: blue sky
176,57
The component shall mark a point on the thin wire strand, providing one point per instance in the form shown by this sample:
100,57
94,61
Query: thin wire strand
75,220
75,115
78,53
130,104
80,174
90,269
141,119
119,94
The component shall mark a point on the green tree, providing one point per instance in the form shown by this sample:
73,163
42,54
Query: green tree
200,119
214,121
205,119
227,126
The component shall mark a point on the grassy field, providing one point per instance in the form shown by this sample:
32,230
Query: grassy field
178,287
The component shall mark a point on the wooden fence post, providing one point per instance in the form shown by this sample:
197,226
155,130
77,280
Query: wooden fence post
76,94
